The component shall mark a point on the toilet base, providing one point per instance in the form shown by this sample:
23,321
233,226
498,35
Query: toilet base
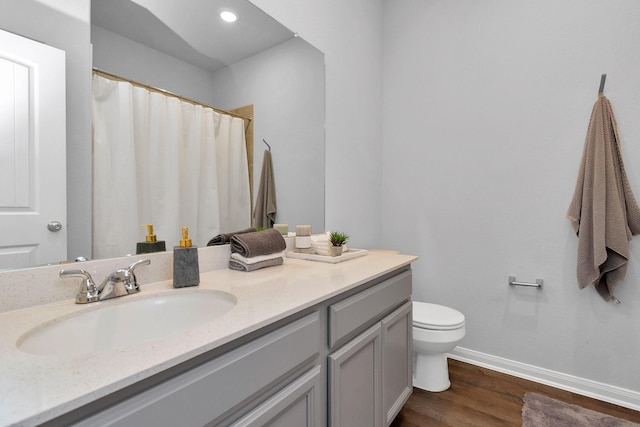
431,372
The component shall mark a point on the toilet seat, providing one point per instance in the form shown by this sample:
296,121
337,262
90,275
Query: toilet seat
436,317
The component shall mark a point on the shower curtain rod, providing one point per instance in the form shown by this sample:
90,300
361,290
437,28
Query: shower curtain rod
166,92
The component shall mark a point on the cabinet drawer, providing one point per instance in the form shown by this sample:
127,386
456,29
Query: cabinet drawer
359,310
215,388
297,405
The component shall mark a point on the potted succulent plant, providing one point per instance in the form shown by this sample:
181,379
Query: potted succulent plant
337,240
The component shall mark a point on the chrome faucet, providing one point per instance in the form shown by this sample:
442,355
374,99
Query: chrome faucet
88,290
119,283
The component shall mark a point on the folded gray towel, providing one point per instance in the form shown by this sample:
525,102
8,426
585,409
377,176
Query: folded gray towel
235,264
258,243
224,238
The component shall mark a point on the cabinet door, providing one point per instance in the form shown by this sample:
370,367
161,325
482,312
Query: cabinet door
397,361
355,398
297,405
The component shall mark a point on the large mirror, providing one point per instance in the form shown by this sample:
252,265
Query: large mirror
183,47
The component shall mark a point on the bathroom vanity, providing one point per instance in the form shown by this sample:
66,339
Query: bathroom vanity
306,344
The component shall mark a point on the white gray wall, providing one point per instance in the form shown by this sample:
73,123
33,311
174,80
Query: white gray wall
350,36
119,55
285,84
486,107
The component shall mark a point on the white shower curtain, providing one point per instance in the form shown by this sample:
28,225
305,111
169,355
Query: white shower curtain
160,160
231,155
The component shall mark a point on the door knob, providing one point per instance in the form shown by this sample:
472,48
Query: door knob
54,226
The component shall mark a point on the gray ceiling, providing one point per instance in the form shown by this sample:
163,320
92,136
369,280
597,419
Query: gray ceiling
191,29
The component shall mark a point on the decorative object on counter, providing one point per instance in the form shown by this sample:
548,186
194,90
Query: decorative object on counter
282,228
603,211
260,249
335,250
347,255
151,243
225,238
303,239
264,213
186,269
320,244
258,258
235,264
258,243
338,241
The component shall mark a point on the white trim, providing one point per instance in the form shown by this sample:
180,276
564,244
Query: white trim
605,392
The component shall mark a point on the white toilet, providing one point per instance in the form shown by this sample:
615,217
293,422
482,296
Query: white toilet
436,330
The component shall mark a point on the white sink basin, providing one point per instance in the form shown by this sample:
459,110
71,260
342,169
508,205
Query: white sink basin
116,324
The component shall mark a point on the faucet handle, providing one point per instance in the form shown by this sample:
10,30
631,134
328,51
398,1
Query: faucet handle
127,276
138,264
121,282
88,291
132,283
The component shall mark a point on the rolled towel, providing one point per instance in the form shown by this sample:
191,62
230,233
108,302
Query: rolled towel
320,243
256,259
223,239
258,243
235,264
321,251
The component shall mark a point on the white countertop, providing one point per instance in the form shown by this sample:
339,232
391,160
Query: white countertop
36,388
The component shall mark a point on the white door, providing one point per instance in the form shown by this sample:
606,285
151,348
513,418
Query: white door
32,153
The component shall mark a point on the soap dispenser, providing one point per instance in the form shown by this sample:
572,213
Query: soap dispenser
186,271
151,243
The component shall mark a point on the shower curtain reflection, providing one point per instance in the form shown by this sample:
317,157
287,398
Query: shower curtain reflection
158,159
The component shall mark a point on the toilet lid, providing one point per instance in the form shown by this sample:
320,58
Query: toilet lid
434,316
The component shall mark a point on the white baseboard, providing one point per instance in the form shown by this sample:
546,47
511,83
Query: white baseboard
605,392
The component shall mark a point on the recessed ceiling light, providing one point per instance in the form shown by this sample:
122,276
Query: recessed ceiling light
228,15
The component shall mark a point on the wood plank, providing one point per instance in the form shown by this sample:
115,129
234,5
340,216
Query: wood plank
481,397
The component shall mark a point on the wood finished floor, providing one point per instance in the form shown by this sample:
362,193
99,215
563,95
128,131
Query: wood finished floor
481,397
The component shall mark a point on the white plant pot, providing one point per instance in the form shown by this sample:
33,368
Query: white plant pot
335,250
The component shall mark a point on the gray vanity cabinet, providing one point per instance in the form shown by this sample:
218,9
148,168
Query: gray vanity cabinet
273,377
370,371
342,362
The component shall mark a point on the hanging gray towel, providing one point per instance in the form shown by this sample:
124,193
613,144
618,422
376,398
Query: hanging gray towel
603,210
264,214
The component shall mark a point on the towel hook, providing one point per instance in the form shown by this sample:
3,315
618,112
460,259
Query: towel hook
266,144
603,78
